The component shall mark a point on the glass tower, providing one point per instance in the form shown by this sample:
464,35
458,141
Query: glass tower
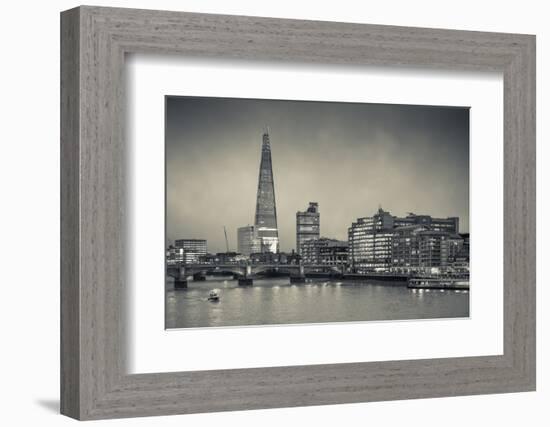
265,220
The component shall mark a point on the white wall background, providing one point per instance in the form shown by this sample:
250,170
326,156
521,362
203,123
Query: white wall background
29,213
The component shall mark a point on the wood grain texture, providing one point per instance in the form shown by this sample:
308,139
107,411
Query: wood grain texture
70,307
94,196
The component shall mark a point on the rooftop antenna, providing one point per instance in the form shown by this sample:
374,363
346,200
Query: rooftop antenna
226,242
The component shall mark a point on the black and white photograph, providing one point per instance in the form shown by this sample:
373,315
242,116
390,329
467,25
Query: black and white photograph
293,212
260,214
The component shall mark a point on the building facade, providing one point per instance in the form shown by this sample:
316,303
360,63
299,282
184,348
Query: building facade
449,225
434,249
461,254
265,219
174,255
189,251
324,251
386,243
248,241
406,248
307,225
420,249
370,242
335,252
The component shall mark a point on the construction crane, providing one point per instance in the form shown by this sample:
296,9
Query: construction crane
226,242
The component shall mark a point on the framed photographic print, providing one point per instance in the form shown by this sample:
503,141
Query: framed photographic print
302,256
347,211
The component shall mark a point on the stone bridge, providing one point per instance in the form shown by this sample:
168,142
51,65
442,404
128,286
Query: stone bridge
246,273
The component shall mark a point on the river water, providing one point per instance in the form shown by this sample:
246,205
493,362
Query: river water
276,301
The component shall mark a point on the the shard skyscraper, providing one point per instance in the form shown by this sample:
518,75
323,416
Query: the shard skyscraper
265,220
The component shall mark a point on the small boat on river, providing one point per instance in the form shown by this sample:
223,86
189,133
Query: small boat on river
214,295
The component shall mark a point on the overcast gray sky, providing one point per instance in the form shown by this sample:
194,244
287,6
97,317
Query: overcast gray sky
349,157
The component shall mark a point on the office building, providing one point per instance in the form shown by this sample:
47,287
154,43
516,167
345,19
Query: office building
449,224
189,251
174,255
406,248
434,248
420,249
307,225
324,251
370,242
385,242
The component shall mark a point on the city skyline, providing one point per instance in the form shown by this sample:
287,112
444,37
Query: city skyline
211,144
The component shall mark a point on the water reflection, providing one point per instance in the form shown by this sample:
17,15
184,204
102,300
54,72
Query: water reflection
276,301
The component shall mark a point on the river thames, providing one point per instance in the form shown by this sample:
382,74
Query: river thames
275,301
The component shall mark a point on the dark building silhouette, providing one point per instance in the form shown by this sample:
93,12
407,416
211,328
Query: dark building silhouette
265,220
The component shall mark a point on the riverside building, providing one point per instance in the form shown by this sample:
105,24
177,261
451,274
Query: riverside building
324,251
419,249
370,242
386,243
188,251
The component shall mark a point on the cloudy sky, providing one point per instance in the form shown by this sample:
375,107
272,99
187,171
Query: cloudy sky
348,157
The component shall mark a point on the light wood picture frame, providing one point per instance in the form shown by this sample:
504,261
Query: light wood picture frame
94,42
